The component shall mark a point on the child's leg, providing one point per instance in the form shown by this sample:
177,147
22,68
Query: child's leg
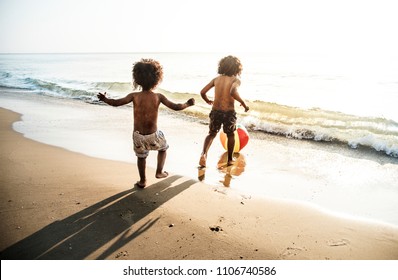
208,141
161,160
231,146
141,163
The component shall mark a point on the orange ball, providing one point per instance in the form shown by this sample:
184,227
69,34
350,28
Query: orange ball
241,138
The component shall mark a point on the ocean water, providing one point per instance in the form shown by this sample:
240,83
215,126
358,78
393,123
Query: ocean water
349,100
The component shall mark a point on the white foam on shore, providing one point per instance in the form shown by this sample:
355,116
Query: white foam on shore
276,167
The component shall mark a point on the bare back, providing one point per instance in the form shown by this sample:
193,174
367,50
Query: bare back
223,86
146,105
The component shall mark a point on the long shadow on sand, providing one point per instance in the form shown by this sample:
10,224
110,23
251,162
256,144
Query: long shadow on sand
78,236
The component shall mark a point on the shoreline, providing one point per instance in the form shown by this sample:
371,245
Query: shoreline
320,175
59,204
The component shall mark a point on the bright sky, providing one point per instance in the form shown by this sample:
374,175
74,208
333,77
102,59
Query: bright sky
203,25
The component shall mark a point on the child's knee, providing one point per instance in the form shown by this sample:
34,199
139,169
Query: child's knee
212,133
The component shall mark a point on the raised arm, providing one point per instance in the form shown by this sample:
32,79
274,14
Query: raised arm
115,102
176,106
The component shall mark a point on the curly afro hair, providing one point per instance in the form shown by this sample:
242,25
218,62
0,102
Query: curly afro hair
230,66
147,74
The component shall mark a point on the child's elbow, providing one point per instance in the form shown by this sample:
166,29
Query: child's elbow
176,107
181,107
203,93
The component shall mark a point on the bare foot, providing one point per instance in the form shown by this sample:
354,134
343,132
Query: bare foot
202,161
231,162
201,173
140,184
164,174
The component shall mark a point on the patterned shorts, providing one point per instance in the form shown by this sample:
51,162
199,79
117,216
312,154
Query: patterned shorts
225,118
151,142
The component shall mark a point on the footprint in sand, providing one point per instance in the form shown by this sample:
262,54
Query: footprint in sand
127,216
291,251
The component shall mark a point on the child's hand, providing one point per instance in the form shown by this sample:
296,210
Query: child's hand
101,96
244,106
191,102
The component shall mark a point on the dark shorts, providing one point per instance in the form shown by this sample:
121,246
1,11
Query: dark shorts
225,118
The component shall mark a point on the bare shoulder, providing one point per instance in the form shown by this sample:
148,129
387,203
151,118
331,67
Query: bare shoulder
236,81
128,98
132,94
160,96
219,80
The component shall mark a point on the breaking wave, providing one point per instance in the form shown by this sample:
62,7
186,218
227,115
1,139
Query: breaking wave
315,124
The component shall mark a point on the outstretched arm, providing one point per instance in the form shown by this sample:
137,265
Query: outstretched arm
205,90
176,106
115,102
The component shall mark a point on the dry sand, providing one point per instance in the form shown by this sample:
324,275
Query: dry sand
57,204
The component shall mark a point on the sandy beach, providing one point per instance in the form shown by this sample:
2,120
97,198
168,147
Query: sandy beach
58,204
